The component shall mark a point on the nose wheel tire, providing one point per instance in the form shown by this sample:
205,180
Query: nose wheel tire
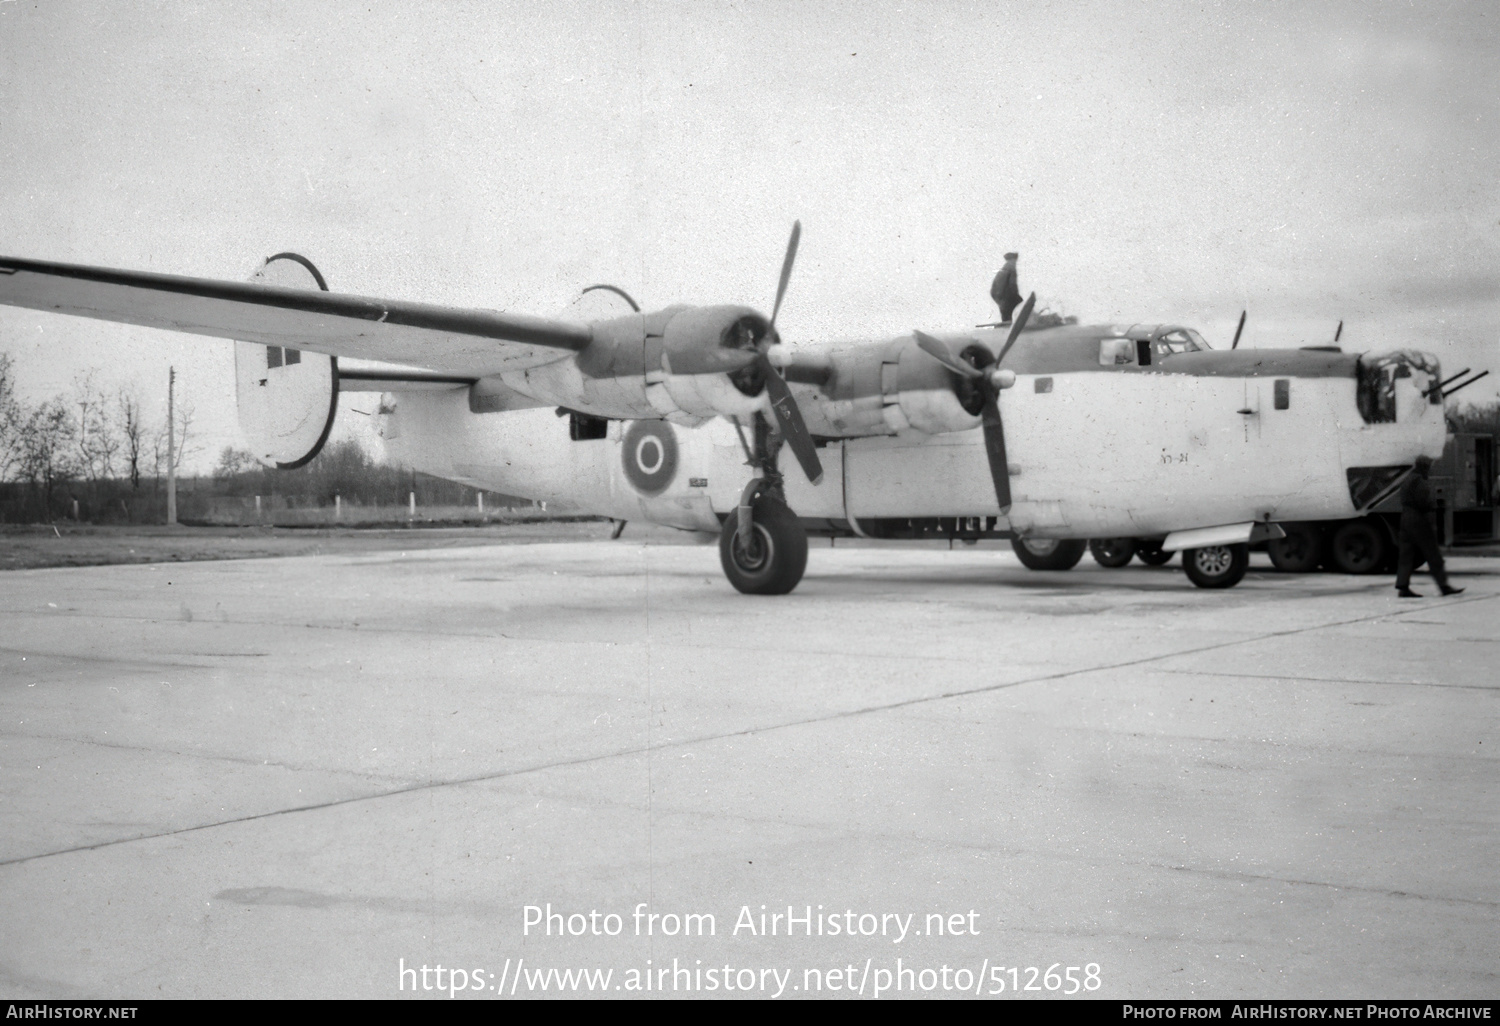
1048,553
1112,552
772,559
1216,566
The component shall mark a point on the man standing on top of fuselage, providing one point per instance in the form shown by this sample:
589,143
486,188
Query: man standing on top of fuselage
1004,290
1417,533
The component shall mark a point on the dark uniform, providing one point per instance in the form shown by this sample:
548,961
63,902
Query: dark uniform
1004,290
1417,534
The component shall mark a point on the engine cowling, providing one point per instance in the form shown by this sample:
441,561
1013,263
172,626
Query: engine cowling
685,364
286,398
694,341
919,393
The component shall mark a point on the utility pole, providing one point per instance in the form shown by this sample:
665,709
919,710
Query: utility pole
171,445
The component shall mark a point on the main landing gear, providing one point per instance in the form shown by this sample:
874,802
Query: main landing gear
1213,566
1216,566
1048,553
762,545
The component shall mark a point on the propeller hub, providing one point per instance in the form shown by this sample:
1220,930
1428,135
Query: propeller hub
1003,378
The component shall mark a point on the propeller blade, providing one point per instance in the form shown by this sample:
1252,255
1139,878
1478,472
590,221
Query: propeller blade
786,268
1235,344
939,352
1016,329
1339,331
708,361
789,419
994,448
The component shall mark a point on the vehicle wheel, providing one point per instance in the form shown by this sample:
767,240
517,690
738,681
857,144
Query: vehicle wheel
1048,553
772,560
1358,547
1150,553
1112,552
1300,551
1216,566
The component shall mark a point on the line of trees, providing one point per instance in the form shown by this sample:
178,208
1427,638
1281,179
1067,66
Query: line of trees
92,444
345,469
92,452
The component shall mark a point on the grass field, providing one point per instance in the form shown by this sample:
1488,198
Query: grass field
32,546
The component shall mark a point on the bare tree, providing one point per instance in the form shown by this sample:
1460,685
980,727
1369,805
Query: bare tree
98,441
184,447
132,433
234,461
48,450
12,419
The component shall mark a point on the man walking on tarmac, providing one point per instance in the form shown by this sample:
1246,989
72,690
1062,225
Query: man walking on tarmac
1416,533
1005,291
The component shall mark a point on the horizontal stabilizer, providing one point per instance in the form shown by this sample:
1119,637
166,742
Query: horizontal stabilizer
400,381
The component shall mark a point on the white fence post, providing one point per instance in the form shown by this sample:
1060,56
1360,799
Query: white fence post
411,505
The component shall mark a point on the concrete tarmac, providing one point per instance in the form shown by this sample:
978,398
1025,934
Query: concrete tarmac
298,777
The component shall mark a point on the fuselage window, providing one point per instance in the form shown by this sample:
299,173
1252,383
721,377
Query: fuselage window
1283,393
1115,352
273,357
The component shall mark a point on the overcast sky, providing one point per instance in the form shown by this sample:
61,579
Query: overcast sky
1150,161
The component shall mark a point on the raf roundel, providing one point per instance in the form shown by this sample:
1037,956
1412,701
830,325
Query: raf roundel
649,453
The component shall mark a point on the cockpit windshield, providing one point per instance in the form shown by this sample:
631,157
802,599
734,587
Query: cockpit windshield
1176,341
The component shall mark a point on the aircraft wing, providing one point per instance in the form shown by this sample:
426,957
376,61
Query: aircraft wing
446,340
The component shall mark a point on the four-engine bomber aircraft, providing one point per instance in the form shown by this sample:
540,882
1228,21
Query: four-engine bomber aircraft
1046,435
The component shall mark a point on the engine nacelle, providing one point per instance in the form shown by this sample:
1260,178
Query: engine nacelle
920,393
691,343
685,364
286,398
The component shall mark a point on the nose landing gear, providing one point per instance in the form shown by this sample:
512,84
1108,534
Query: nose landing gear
762,545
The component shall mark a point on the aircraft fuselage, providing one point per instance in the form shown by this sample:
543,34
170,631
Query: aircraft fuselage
1096,449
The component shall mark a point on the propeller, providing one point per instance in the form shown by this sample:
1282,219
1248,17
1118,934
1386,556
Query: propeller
990,380
1338,332
783,404
1236,343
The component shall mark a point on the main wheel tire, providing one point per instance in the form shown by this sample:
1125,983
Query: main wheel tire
1358,547
1216,566
1300,551
1150,553
1112,552
772,561
1048,553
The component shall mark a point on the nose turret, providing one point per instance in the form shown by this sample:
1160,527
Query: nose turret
1401,385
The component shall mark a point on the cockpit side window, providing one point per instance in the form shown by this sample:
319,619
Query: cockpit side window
1376,390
